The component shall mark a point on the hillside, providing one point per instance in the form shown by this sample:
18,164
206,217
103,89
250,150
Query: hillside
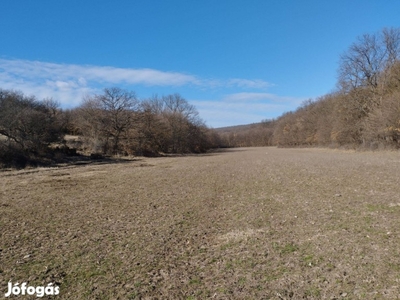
362,112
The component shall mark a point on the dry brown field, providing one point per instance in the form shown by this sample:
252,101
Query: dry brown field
246,223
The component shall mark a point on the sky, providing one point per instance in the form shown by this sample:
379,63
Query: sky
236,61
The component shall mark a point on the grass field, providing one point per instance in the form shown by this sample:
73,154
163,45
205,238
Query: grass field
247,223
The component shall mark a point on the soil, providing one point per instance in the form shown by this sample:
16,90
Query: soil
245,223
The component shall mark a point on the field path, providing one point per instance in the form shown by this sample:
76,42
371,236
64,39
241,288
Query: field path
245,223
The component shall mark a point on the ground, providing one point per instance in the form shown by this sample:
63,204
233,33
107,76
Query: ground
246,223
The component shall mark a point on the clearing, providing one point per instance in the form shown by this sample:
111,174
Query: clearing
246,223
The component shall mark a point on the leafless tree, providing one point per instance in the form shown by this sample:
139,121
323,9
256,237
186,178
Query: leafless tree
366,59
183,121
27,128
109,116
29,123
153,132
361,64
391,40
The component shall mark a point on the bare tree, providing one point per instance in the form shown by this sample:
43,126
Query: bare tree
173,125
27,128
362,64
181,117
153,132
391,40
29,123
109,116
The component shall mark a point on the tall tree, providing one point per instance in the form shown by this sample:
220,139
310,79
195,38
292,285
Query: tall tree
110,115
367,58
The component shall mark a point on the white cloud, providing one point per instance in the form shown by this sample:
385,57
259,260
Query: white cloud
257,97
39,70
82,81
246,83
244,108
69,83
36,70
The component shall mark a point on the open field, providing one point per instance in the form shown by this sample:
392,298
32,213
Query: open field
248,223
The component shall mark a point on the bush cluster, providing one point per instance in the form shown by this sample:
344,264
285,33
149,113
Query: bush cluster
27,128
112,123
116,122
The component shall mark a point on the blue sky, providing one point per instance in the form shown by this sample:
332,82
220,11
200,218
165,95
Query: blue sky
237,61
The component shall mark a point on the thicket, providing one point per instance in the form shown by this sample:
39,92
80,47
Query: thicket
27,128
364,111
114,122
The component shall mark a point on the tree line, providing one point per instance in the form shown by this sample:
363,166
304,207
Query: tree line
363,111
114,122
251,135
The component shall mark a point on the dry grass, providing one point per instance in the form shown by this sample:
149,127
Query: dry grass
252,223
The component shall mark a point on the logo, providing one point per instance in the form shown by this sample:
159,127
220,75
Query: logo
24,289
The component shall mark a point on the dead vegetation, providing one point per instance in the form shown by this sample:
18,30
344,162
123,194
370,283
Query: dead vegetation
248,223
362,112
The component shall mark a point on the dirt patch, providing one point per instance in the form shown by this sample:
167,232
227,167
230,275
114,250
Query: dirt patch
259,223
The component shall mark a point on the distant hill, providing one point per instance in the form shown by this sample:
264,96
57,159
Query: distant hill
248,135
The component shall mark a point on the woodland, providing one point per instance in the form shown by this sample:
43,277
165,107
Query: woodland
363,112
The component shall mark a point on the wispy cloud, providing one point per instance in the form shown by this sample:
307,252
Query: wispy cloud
244,108
63,72
56,80
257,97
246,83
69,83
